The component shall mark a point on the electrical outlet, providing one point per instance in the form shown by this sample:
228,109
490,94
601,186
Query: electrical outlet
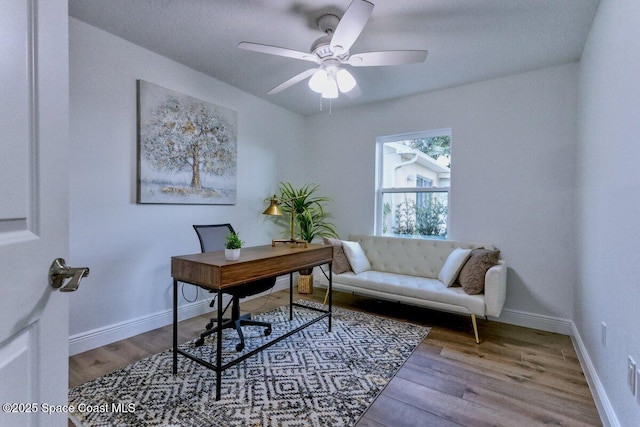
603,335
631,375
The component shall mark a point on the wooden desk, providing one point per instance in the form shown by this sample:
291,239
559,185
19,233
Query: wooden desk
212,271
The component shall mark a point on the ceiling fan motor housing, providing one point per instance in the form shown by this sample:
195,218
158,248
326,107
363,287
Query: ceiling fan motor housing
321,47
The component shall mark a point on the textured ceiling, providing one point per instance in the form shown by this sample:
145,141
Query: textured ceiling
467,40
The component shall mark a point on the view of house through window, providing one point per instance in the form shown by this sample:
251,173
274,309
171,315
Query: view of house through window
414,174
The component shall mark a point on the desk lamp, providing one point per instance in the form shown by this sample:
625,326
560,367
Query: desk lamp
275,210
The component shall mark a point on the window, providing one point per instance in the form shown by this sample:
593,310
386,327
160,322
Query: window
413,179
422,182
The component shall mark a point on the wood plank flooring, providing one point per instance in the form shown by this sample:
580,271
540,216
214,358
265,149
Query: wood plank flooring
515,377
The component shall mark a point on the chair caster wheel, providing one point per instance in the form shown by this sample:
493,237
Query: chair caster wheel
209,325
267,332
239,347
199,342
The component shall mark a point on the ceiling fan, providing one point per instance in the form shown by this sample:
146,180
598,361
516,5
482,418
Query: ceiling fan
331,53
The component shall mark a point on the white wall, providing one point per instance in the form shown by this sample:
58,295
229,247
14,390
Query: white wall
609,225
513,175
128,246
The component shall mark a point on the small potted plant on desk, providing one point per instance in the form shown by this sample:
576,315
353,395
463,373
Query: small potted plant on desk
232,247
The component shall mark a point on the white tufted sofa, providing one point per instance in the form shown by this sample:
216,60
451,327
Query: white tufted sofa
406,270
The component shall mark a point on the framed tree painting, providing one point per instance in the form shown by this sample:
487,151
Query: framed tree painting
187,149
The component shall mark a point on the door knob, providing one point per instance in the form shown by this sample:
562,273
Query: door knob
59,271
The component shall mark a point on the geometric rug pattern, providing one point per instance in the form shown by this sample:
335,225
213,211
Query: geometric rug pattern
312,378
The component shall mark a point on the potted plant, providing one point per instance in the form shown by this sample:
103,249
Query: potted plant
310,218
232,247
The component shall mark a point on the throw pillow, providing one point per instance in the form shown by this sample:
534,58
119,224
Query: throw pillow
357,259
340,261
453,265
472,274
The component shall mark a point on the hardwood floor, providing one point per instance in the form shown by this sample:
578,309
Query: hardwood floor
515,377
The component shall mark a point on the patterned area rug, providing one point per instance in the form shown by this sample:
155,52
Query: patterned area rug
312,378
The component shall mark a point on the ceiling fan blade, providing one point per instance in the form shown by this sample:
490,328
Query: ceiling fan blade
351,25
280,51
293,80
389,57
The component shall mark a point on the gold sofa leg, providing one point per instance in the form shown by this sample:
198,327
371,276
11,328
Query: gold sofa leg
326,296
475,327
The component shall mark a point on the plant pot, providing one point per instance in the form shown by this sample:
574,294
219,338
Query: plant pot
305,283
232,254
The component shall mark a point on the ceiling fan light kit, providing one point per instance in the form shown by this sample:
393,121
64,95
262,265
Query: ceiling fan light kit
331,51
328,81
318,81
346,82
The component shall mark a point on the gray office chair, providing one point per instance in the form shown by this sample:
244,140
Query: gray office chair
212,238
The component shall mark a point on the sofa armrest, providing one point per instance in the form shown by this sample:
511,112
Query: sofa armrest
495,288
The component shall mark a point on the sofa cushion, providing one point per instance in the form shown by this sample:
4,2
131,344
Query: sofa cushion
472,274
340,261
357,259
414,287
452,266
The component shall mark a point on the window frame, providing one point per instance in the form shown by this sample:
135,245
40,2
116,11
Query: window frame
380,191
429,183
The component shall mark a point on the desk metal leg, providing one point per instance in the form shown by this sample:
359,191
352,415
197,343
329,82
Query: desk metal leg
175,326
290,296
219,348
330,291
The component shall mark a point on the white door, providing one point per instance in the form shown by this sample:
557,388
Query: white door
34,110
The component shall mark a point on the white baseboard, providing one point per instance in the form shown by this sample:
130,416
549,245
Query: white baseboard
603,404
99,337
535,321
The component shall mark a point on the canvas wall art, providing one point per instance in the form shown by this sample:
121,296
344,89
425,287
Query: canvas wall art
187,149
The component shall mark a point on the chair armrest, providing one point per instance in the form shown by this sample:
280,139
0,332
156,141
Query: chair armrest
495,288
